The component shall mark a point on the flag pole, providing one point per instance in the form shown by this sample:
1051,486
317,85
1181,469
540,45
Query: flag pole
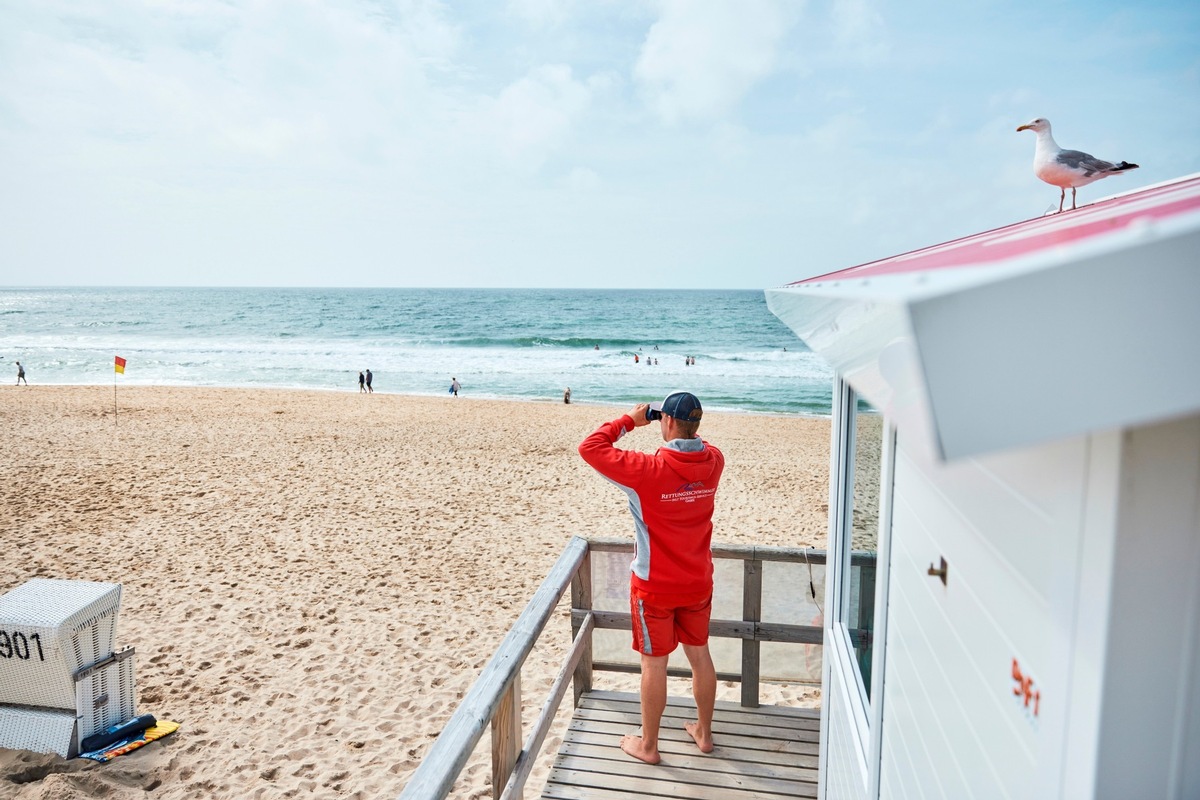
118,366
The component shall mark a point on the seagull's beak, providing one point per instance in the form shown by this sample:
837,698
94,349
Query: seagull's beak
1024,128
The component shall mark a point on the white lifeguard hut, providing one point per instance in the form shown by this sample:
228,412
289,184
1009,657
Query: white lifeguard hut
1026,403
60,679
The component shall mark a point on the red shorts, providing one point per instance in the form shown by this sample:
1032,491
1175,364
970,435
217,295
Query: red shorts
663,621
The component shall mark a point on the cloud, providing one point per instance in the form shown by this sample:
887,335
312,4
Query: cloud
534,114
324,86
858,31
582,179
409,141
541,14
701,57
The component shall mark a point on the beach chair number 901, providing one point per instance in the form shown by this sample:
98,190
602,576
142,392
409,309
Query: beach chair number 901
17,645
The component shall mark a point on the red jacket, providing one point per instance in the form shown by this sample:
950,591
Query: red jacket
671,498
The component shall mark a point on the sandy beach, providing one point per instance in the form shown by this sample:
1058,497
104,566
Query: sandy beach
313,580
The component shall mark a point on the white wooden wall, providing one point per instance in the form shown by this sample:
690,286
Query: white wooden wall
1138,673
1009,528
1081,560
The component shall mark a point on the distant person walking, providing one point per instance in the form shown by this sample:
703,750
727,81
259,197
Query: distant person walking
369,377
21,374
567,396
362,382
454,386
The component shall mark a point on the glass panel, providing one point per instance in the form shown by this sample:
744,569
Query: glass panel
864,535
787,599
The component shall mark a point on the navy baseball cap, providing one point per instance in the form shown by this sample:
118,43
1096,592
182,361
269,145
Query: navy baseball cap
680,405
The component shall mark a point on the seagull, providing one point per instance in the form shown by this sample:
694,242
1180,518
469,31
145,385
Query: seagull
1067,168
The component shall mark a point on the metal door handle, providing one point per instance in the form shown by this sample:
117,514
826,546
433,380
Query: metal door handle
939,572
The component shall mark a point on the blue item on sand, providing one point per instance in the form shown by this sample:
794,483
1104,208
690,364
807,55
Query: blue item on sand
116,733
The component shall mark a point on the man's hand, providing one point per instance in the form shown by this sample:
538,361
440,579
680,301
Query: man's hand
639,414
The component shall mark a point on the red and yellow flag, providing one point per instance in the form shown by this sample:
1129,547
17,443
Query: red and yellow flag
119,365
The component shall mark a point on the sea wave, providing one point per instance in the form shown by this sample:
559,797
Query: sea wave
526,344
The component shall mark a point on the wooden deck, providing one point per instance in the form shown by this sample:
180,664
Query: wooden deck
768,752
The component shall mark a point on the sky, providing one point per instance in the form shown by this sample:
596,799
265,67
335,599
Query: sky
568,143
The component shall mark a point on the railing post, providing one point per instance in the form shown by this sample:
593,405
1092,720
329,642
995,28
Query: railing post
581,599
751,612
506,737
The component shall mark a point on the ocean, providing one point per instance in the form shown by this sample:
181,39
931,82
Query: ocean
526,344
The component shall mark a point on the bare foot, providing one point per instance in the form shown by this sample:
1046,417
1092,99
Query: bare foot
634,746
704,742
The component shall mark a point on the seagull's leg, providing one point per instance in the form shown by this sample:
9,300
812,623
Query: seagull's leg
1062,197
1072,198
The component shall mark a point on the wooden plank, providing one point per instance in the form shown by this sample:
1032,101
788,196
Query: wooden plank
767,727
679,747
559,791
766,722
677,785
704,770
791,712
720,628
686,711
751,612
581,598
593,717
672,672
584,768
729,740
665,784
731,551
725,726
506,736
726,740
749,745
785,632
694,759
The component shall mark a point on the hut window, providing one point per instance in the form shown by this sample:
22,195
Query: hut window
861,517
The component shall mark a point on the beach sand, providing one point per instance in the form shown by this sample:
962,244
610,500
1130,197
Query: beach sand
313,580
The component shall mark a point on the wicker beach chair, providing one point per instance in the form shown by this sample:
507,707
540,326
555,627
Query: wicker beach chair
60,679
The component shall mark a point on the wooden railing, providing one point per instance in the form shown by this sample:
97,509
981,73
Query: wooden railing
495,698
